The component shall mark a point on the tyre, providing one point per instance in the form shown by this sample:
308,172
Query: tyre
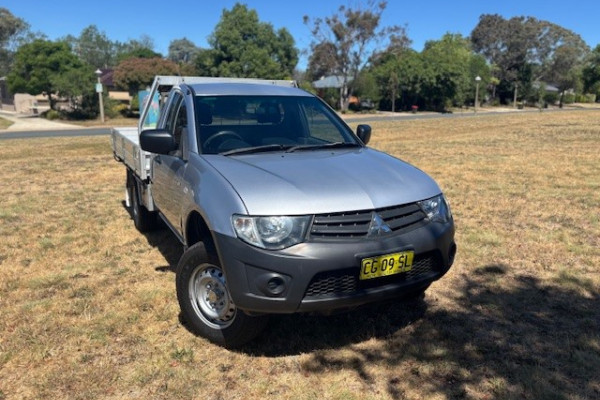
143,219
206,305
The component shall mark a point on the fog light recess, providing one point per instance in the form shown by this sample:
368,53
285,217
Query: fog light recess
275,286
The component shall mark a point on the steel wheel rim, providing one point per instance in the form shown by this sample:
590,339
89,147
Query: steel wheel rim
210,298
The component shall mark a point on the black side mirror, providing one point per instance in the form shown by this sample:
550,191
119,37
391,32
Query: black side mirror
159,141
364,133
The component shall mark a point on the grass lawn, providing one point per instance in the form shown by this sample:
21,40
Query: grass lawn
88,307
4,123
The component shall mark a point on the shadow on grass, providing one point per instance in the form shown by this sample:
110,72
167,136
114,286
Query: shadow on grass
164,241
168,245
507,337
503,336
304,333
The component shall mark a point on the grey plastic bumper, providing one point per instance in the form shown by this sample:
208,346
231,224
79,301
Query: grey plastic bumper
264,281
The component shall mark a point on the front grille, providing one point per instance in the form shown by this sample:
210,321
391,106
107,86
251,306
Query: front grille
356,224
346,282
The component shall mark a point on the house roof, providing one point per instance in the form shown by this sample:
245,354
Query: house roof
331,81
107,77
548,87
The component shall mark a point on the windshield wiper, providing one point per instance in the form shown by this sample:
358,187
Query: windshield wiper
255,149
335,145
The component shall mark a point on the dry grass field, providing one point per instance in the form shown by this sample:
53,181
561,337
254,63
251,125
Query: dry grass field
88,307
4,123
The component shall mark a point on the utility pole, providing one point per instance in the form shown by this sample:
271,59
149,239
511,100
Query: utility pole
477,80
99,91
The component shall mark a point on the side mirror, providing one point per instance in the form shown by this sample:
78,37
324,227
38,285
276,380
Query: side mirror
364,133
159,141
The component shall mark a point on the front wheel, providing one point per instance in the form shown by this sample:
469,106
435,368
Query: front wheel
206,304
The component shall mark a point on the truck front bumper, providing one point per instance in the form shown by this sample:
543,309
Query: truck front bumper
324,276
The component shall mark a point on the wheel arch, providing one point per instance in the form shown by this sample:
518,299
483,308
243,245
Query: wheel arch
197,230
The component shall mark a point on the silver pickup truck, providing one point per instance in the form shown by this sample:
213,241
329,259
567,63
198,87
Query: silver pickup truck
280,207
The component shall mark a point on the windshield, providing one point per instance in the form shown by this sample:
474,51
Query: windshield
246,124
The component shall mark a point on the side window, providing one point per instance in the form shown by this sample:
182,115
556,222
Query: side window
172,113
180,128
151,118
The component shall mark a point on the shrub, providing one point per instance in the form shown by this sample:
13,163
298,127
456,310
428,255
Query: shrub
110,108
551,98
569,98
51,115
121,109
135,103
585,98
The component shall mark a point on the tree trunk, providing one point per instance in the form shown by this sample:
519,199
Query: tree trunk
344,97
393,101
51,101
560,101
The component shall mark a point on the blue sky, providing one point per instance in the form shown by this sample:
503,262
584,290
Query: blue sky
196,19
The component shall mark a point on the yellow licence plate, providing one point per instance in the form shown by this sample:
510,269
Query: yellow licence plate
389,264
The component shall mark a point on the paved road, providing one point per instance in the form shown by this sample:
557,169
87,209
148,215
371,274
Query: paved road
54,133
408,117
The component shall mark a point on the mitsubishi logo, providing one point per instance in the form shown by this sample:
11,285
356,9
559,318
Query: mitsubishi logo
378,226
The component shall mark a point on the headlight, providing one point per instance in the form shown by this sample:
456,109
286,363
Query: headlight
437,209
272,233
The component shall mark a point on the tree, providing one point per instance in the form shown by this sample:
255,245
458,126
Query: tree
399,77
182,50
448,64
506,44
387,75
320,63
38,65
565,70
525,49
93,47
347,40
136,48
242,46
10,28
135,74
591,72
77,84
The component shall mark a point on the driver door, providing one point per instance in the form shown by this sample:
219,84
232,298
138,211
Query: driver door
169,169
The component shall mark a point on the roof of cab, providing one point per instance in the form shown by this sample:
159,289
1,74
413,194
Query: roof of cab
246,89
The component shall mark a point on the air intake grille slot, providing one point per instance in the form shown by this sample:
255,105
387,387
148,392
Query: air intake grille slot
346,282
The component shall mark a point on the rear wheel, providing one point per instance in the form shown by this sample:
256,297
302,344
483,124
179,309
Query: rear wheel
143,219
206,304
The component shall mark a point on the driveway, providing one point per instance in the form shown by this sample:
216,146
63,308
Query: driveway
32,123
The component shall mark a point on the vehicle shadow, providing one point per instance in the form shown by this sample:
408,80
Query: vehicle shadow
164,241
304,333
169,246
502,334
522,338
